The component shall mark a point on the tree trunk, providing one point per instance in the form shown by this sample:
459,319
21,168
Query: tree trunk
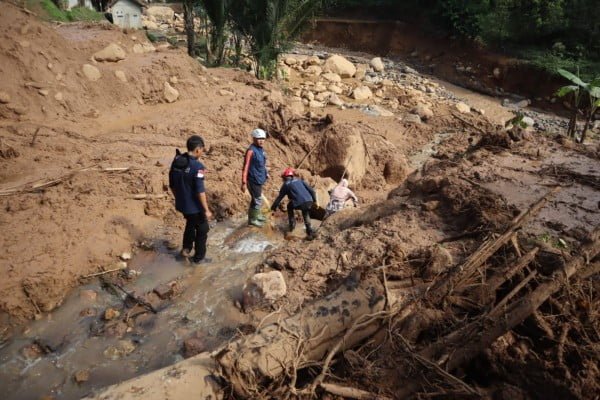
586,127
188,16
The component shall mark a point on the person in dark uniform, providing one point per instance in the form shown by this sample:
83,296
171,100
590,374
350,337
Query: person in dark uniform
186,180
254,175
301,197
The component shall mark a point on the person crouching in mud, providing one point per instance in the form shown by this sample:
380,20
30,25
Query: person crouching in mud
254,175
338,197
301,197
186,180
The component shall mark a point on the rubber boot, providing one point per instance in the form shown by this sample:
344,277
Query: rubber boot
310,233
253,218
261,217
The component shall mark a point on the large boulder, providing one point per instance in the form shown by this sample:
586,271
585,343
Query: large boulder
362,93
377,64
170,93
160,13
322,186
113,52
91,73
341,66
342,149
263,288
396,169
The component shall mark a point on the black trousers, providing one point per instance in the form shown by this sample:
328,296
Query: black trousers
256,194
196,234
305,208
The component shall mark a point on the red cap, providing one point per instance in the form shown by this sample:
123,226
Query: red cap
288,172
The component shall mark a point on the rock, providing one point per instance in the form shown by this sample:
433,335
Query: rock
148,47
160,13
440,260
138,49
81,376
377,64
121,76
479,111
225,92
396,169
123,348
431,205
387,82
164,291
412,119
290,61
528,121
113,53
316,104
173,80
263,288
111,313
59,96
150,25
361,71
341,66
423,111
308,95
91,73
335,89
170,93
319,87
497,73
523,103
463,108
335,100
312,60
379,93
382,112
284,72
126,256
44,92
32,351
322,96
332,77
193,346
88,295
362,93
313,70
4,97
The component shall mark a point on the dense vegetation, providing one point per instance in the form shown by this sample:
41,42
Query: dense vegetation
550,33
49,10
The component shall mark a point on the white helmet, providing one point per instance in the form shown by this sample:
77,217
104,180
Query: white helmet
259,134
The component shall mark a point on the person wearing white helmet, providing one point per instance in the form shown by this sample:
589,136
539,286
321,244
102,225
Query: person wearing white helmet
255,175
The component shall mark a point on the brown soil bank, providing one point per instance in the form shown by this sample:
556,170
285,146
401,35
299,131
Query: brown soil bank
453,60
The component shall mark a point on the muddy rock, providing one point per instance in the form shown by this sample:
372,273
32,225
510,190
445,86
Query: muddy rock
362,93
334,100
170,93
111,313
112,53
463,108
423,111
81,376
313,70
4,98
194,345
312,60
126,256
225,92
331,77
380,111
341,66
123,348
59,96
32,351
361,71
316,104
88,295
263,288
116,329
335,89
343,147
91,73
412,119
322,96
165,291
377,64
160,13
297,107
440,260
396,169
319,87
290,61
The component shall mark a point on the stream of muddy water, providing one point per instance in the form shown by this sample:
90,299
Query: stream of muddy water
73,343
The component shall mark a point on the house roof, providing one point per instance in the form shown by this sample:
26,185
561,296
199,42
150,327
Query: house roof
139,3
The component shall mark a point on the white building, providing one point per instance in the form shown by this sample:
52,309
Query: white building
126,13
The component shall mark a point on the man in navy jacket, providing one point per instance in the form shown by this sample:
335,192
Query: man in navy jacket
301,197
186,180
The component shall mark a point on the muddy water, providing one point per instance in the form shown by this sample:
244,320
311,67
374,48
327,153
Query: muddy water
205,307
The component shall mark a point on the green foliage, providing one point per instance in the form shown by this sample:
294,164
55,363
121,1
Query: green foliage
51,12
151,37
